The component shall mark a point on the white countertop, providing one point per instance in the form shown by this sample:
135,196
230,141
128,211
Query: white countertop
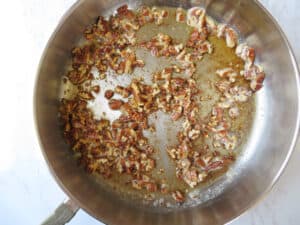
28,193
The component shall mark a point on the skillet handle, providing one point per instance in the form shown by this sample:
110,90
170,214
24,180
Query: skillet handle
63,213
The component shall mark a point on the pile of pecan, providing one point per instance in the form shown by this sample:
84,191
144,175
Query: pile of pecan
106,147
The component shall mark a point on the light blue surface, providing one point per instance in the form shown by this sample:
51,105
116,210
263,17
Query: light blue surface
28,193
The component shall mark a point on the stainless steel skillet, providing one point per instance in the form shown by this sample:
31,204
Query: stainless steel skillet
275,126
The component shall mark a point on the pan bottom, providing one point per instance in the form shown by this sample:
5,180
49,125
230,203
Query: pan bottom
166,129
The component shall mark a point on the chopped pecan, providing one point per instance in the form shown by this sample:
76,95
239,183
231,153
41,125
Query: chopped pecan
257,82
96,89
196,18
180,15
214,165
190,177
221,30
246,53
231,37
178,196
256,76
177,113
150,186
109,94
115,104
158,15
124,92
228,73
85,95
211,25
223,85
